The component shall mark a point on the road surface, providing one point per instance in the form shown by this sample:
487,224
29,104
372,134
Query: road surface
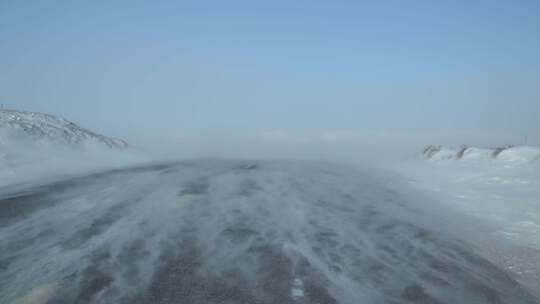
215,231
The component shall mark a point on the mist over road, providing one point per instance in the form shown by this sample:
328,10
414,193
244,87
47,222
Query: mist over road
215,231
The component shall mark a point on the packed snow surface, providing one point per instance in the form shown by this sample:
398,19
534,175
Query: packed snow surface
215,231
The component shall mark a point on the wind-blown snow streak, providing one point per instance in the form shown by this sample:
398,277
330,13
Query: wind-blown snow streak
214,231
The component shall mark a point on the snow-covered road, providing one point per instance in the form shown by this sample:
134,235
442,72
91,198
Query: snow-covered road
214,231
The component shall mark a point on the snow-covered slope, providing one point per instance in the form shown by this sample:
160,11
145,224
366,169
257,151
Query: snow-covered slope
45,127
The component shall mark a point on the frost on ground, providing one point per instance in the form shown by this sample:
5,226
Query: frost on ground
500,195
214,231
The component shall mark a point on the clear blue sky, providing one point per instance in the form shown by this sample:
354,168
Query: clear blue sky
274,64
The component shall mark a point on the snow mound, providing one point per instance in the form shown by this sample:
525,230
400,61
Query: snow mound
439,153
445,154
45,127
521,154
477,153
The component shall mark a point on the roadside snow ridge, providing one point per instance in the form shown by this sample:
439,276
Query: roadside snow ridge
521,154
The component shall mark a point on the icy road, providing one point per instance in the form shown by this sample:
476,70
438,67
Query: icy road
214,231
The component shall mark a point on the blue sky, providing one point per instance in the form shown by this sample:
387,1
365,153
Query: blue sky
359,65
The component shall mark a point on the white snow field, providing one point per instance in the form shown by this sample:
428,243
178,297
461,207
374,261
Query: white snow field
499,195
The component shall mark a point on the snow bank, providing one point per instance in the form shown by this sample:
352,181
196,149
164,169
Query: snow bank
505,154
444,154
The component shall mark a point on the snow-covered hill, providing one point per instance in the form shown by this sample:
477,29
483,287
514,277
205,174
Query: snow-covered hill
35,146
45,127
